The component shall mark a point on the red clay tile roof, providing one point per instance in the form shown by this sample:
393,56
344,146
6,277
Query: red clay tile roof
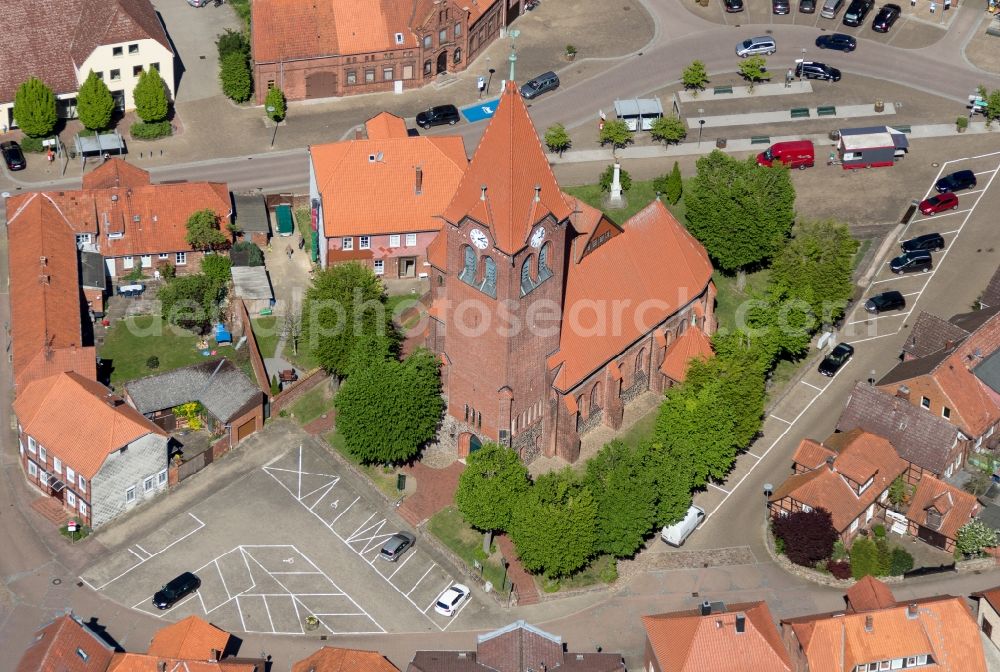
991,595
52,36
652,270
869,594
840,642
116,173
437,251
141,662
585,217
511,164
334,659
44,287
75,421
66,645
693,344
957,507
368,187
811,454
192,638
686,641
384,125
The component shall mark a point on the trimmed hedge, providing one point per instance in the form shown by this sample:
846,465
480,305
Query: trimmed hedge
151,131
29,144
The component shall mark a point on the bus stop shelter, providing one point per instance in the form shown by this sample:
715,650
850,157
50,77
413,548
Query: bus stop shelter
99,145
639,113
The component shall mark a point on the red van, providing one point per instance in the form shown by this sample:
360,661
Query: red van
794,154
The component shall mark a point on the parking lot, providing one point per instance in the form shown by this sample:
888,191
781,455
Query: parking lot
293,539
192,32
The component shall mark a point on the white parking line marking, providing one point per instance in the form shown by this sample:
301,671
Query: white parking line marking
400,565
434,601
143,550
718,488
141,559
820,389
781,419
753,455
419,580
343,512
872,318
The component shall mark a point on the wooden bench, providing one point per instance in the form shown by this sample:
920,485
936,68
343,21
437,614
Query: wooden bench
826,111
721,89
760,140
799,112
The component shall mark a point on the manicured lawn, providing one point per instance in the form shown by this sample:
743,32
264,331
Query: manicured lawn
265,329
590,575
400,302
131,342
303,222
641,430
311,405
304,360
638,197
729,298
449,526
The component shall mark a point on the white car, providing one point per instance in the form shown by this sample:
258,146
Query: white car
448,601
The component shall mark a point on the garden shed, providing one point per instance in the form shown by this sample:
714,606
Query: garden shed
251,283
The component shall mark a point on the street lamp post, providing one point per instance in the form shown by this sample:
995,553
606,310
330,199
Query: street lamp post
270,111
803,60
505,564
701,127
489,80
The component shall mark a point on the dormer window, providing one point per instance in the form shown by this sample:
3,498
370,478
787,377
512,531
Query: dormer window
867,484
934,519
84,656
399,38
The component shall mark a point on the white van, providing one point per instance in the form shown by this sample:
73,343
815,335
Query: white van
830,8
676,534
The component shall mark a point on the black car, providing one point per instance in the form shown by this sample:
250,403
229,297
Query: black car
886,16
438,116
929,242
396,546
885,301
837,41
780,6
176,590
836,359
963,179
857,11
807,6
910,262
733,5
816,70
13,156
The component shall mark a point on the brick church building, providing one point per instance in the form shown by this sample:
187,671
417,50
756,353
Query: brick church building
549,317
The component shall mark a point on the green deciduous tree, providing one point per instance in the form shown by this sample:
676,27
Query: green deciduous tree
899,493
234,74
35,108
150,96
94,103
191,301
741,212
408,392
557,139
275,98
608,176
754,69
554,525
493,483
233,41
203,231
626,506
368,350
668,130
615,133
864,558
973,537
247,250
217,267
695,76
992,110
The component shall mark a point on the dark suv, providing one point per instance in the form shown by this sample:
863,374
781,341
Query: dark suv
833,362
12,155
857,11
910,262
928,242
437,116
963,179
885,301
814,70
837,41
886,17
780,6
176,590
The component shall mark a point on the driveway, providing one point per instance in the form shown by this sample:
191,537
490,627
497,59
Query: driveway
192,32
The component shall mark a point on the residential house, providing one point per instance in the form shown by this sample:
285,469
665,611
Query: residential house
715,638
234,404
66,644
82,445
937,511
931,334
378,200
191,638
380,45
899,636
335,659
959,382
518,647
849,475
868,594
61,41
929,443
988,613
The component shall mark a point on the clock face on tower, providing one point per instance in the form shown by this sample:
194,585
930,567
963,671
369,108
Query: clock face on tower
537,237
479,239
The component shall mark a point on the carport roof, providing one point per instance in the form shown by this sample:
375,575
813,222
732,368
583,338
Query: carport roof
221,387
251,214
251,282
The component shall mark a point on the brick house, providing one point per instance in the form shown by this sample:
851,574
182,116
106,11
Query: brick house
880,636
849,475
377,201
549,317
937,511
325,48
518,647
715,638
336,659
61,41
929,444
66,643
83,446
988,614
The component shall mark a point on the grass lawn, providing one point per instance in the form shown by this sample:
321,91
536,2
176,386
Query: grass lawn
265,329
131,342
449,526
638,197
303,222
384,478
304,360
859,256
729,298
311,405
641,430
591,574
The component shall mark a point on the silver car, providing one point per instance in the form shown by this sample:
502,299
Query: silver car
755,46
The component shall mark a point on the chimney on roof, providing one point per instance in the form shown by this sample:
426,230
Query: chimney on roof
358,135
43,260
215,654
162,666
538,193
482,194
911,610
419,184
869,623
903,392
829,462
949,344
706,608
44,279
114,199
741,622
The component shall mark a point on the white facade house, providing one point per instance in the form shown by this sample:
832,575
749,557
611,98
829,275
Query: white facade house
119,66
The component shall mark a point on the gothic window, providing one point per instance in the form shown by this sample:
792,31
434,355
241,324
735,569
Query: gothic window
468,273
640,361
489,284
527,283
595,396
544,261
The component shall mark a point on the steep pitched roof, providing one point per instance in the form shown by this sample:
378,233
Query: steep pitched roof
686,641
385,125
991,595
930,334
66,645
812,454
652,270
956,507
869,594
520,189
437,251
221,387
335,659
116,173
141,662
991,295
371,186
919,437
192,638
79,420
113,22
693,344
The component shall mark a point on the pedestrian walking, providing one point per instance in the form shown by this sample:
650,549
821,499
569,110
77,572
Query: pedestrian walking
288,251
302,242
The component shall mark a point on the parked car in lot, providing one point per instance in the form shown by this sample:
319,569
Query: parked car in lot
807,6
175,590
674,535
835,361
451,599
780,6
911,262
886,16
396,545
830,8
539,85
817,70
733,5
885,301
837,41
857,11
962,179
13,156
437,116
799,154
940,203
929,242
755,46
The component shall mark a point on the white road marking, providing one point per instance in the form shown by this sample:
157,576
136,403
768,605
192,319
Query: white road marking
718,488
780,419
820,389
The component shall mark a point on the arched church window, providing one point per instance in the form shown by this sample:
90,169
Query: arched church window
527,284
489,285
544,263
468,273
